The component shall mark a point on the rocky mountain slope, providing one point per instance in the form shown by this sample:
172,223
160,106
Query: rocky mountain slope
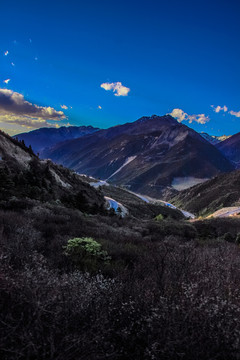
219,192
24,176
148,156
25,181
46,137
231,149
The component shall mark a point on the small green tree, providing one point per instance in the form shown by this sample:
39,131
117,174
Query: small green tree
86,253
159,217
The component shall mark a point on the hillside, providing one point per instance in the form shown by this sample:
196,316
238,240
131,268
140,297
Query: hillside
47,137
219,192
80,282
137,206
147,156
231,149
23,176
91,285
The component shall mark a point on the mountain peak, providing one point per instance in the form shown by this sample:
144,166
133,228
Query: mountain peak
163,118
147,155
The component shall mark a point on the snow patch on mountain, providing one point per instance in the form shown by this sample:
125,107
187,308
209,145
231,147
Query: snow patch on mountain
99,183
143,198
182,183
127,161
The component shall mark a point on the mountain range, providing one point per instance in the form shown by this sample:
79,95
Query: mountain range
26,181
153,155
48,137
213,139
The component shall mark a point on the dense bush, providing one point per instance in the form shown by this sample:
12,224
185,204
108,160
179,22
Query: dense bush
159,217
86,253
163,295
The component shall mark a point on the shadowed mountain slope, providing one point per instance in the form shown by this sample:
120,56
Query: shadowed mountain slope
213,139
231,149
25,180
46,137
146,155
24,176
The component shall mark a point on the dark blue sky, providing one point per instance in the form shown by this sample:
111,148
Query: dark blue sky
171,55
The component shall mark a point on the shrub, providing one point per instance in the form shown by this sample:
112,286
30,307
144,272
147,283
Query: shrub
86,252
159,217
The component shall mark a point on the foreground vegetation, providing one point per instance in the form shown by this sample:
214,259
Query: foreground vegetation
78,282
135,289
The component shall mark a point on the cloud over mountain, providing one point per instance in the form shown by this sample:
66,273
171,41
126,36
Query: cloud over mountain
14,109
180,115
117,88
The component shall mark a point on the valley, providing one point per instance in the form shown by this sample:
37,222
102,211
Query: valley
153,156
119,180
111,261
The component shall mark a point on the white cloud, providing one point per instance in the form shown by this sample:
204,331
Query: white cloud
26,121
14,109
117,88
218,108
6,81
200,118
64,107
6,53
180,115
235,113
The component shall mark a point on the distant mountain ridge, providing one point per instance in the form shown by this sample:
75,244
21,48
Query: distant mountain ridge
213,139
231,149
47,137
146,155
